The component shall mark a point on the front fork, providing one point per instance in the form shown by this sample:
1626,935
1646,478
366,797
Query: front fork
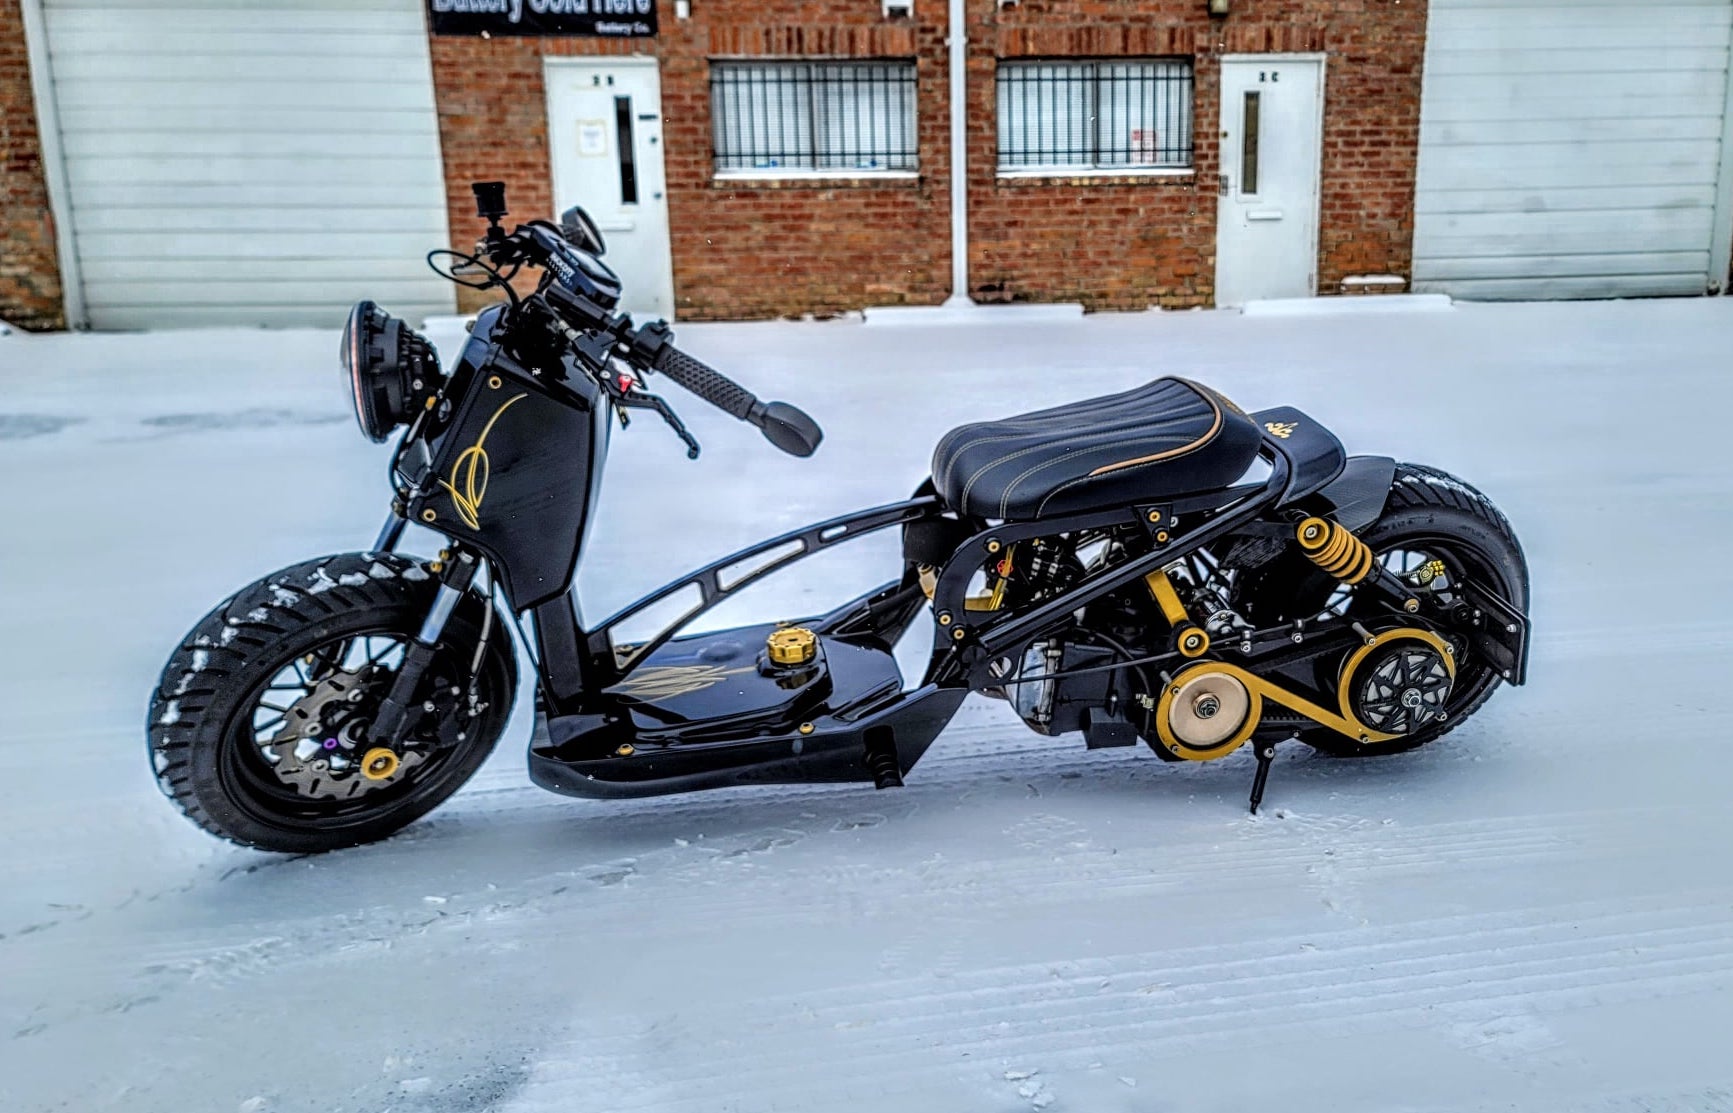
456,568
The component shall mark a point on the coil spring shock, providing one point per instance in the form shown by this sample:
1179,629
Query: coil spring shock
1335,549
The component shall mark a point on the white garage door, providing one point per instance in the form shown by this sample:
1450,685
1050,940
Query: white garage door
1575,148
244,162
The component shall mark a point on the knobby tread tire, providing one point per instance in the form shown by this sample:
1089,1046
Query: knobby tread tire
220,658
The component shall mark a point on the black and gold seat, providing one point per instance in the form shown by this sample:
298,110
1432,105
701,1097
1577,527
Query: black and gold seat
1171,437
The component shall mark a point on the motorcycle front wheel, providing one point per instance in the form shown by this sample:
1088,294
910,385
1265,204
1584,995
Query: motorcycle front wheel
258,726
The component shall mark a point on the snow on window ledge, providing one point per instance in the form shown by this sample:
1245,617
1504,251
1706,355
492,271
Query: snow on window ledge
1014,174
814,177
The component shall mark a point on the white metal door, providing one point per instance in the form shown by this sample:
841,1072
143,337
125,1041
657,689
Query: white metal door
1575,150
234,162
1267,214
605,135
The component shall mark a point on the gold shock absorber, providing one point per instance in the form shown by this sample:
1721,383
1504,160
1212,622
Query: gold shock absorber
1335,550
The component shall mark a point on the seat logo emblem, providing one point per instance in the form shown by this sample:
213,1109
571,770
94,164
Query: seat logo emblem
1281,429
469,475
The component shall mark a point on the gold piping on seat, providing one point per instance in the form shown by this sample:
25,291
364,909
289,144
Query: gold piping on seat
1215,428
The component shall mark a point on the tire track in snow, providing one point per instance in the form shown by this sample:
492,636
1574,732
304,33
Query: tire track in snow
677,885
1153,1004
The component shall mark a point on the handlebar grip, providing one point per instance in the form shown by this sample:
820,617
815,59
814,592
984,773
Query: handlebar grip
783,425
711,385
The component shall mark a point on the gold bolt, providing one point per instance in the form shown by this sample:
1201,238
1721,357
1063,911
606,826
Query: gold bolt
944,618
806,728
1161,537
493,382
1155,516
436,566
624,750
993,546
428,515
1411,605
957,634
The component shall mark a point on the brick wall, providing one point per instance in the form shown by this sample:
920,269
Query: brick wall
792,247
741,249
1132,242
29,267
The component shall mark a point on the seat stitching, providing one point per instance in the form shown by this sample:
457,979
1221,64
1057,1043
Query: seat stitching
1024,452
1170,454
1010,489
967,487
1077,410
1148,393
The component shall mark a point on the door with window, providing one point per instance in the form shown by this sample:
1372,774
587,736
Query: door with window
605,141
1267,214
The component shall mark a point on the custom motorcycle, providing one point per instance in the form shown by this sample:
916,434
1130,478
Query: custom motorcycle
1153,565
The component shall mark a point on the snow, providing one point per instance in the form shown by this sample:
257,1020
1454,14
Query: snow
1535,914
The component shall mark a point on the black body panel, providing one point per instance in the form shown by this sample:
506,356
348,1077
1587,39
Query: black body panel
512,469
1170,437
1314,455
1355,498
707,711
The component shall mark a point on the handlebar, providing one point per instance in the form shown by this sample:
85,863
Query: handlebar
783,425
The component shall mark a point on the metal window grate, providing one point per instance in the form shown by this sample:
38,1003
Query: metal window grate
804,117
1098,114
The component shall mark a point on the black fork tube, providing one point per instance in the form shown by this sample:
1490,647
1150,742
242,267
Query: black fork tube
389,534
392,722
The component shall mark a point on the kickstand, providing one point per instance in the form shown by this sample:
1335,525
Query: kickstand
1266,752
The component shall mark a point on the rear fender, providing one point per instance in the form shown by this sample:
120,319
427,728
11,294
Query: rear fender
1356,498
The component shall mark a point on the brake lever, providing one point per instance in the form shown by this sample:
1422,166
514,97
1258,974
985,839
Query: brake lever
654,402
620,388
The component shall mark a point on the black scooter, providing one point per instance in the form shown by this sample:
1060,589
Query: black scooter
1154,565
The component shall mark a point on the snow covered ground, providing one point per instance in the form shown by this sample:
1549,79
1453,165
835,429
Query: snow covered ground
1536,914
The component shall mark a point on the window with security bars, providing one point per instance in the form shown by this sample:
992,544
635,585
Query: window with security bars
813,117
1099,114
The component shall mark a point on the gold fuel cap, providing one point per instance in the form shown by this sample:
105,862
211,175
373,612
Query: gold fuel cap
791,645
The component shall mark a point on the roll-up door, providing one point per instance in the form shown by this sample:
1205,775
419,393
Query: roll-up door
246,161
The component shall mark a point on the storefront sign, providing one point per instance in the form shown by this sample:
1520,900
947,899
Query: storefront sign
610,18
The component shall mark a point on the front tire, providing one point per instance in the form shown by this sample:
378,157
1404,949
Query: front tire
235,763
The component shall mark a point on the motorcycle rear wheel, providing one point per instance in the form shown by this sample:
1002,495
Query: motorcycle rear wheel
1432,512
219,752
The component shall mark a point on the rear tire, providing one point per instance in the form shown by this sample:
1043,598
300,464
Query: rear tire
1433,510
204,715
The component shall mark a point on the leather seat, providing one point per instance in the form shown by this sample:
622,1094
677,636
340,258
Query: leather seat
1171,437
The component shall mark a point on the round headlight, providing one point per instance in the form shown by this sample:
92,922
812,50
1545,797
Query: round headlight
392,370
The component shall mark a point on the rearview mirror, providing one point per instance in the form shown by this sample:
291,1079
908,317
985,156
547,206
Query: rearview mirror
581,231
